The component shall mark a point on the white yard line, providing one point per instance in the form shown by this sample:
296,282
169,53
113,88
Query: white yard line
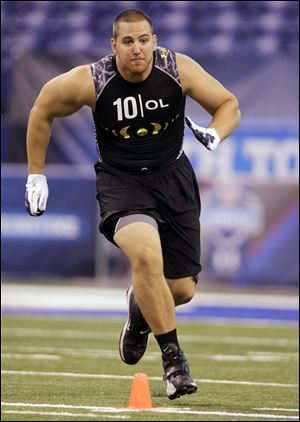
30,412
28,356
102,352
110,376
187,411
276,408
40,332
74,415
152,356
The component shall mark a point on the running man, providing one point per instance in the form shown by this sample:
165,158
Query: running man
146,187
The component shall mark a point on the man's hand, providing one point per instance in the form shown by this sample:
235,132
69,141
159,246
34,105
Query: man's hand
207,136
36,194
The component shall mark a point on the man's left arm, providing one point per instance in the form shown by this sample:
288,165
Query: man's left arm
220,103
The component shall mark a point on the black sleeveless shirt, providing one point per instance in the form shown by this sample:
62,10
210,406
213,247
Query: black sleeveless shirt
139,125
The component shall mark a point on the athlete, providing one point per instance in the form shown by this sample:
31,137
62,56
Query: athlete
146,187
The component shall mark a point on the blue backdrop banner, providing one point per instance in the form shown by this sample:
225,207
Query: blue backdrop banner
62,240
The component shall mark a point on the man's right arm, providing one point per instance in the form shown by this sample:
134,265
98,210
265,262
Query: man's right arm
62,96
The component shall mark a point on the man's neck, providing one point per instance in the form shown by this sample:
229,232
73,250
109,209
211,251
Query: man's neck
133,77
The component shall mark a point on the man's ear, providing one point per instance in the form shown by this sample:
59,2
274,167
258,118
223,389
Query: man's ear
155,41
113,44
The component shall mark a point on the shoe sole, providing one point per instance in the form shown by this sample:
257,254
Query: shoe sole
124,331
186,389
121,343
128,293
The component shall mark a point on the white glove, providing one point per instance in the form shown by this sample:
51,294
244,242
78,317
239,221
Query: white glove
36,194
207,136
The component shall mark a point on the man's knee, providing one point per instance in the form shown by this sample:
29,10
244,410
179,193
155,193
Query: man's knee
183,289
185,295
141,243
147,259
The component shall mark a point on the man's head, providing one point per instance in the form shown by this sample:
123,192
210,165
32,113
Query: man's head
133,42
131,15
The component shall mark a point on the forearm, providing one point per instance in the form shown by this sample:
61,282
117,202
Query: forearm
226,118
38,134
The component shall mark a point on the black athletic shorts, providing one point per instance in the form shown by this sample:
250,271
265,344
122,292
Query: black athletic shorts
170,195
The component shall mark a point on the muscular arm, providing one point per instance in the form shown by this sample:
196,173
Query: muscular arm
221,104
62,96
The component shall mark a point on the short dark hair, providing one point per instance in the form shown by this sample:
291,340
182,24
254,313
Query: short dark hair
131,15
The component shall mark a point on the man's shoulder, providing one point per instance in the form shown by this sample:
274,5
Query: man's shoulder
165,60
162,54
105,62
103,71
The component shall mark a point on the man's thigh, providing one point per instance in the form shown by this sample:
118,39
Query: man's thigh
137,237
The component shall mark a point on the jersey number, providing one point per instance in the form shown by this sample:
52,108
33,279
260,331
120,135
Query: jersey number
129,107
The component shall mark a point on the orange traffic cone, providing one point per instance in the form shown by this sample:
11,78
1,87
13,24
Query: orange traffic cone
140,397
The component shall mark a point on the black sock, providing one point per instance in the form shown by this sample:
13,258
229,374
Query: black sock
170,337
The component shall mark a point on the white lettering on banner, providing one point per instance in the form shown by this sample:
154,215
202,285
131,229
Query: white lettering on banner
208,164
66,227
265,159
260,151
225,162
283,157
286,156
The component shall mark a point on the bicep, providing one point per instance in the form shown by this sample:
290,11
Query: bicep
67,93
200,85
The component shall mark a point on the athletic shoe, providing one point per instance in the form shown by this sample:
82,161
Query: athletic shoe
177,374
135,333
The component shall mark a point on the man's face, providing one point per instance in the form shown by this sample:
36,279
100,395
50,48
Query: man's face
134,47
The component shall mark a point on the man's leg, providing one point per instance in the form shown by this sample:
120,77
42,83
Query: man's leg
141,243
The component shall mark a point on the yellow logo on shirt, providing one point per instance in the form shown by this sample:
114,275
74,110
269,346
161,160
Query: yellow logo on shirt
142,132
164,53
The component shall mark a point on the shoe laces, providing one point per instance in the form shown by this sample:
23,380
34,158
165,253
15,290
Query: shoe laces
174,357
